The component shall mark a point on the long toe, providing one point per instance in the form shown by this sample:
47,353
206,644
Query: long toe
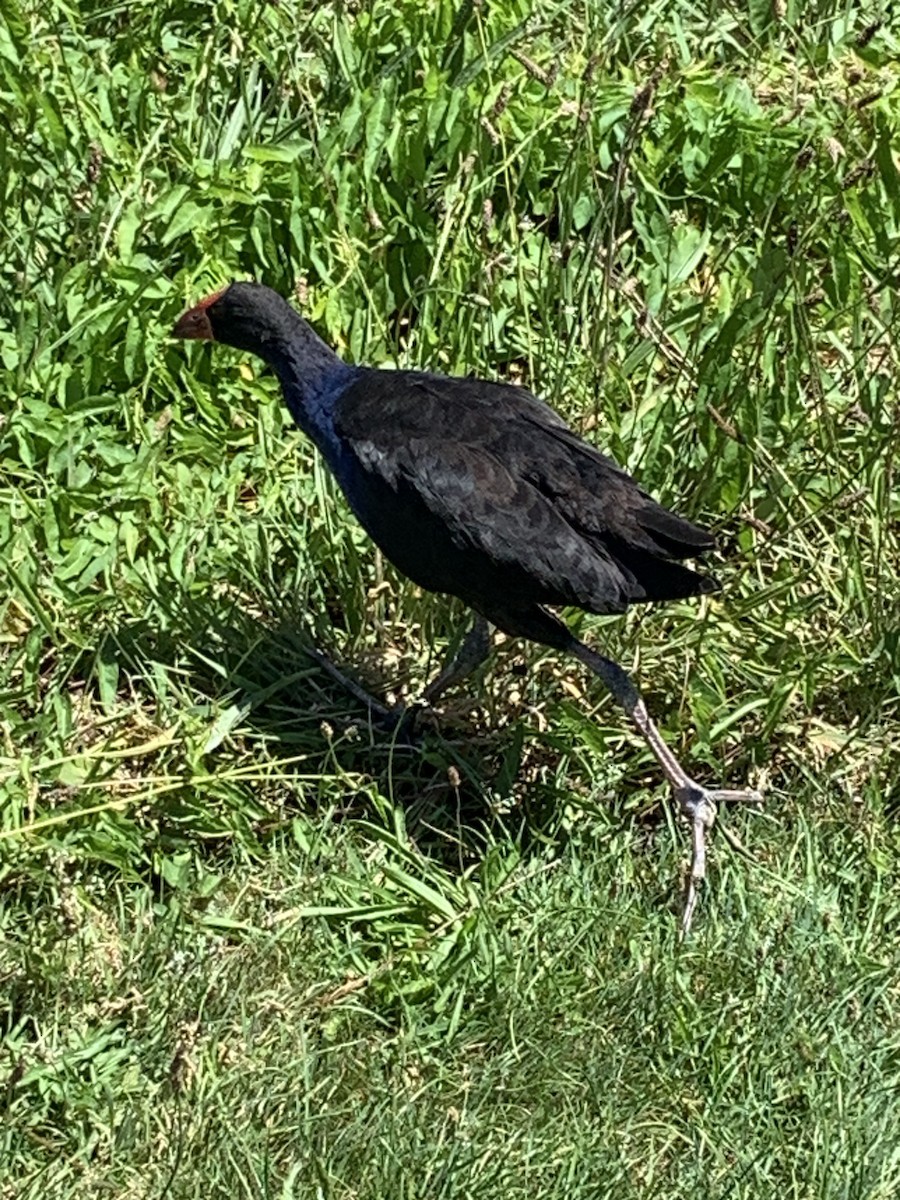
744,795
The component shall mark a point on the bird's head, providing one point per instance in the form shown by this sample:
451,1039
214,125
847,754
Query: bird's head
248,316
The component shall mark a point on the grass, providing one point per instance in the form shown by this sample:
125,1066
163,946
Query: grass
248,947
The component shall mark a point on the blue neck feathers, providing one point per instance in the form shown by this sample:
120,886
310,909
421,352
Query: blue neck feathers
312,378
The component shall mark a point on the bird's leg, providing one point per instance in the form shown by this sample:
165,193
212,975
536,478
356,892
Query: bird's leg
697,803
474,649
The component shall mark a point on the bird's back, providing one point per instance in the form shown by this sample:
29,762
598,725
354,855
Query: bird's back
481,490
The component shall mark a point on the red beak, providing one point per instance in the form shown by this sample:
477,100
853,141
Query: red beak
195,322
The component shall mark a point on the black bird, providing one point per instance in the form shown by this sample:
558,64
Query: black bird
480,490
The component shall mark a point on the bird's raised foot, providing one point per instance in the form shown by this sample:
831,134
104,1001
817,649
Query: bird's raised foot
377,709
398,720
698,804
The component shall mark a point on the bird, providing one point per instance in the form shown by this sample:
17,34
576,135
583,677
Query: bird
480,490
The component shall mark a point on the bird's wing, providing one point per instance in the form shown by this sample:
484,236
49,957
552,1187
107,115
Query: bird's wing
504,475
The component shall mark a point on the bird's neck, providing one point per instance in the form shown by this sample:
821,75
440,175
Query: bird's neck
312,377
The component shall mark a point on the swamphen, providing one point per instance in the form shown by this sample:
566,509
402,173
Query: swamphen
480,490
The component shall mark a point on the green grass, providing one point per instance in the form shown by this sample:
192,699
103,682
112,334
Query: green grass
248,947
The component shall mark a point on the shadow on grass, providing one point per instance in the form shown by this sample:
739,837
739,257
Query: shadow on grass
256,679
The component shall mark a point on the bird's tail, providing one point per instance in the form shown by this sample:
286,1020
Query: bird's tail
673,535
649,564
648,577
